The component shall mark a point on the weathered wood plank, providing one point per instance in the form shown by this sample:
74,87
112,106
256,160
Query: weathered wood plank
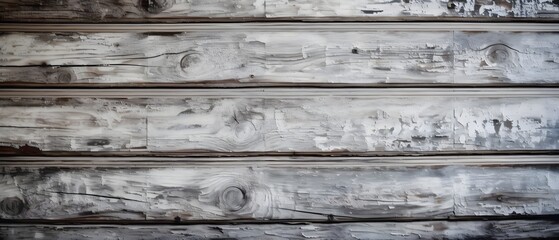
282,120
250,10
279,58
288,190
514,229
129,10
371,9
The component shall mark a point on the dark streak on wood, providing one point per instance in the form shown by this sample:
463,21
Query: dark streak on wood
537,229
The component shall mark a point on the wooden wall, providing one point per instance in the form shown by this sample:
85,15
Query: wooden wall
275,119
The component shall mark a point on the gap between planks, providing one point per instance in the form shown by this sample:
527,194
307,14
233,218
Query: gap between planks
329,220
279,161
33,152
249,85
282,92
282,26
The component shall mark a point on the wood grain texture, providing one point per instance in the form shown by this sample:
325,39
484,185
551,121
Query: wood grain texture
263,191
285,121
264,58
411,230
251,10
369,9
129,10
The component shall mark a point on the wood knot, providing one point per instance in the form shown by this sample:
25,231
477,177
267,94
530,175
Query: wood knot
156,6
189,60
233,199
64,76
12,206
245,130
497,54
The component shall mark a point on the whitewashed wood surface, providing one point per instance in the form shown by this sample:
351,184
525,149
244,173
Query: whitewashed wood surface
282,133
101,11
282,120
280,57
249,189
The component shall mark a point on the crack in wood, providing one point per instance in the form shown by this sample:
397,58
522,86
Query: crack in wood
97,195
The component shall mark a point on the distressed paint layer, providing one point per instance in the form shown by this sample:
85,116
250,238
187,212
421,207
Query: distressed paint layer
370,9
482,57
221,191
128,10
281,124
244,10
279,58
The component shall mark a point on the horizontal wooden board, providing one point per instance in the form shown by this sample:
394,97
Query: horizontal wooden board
251,10
516,229
289,190
281,120
279,57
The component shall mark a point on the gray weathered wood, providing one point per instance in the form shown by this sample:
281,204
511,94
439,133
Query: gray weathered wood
244,10
130,10
278,190
514,229
282,120
370,9
239,58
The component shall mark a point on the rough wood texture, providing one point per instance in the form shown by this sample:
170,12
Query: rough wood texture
281,57
288,120
129,10
415,230
368,9
247,10
289,190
